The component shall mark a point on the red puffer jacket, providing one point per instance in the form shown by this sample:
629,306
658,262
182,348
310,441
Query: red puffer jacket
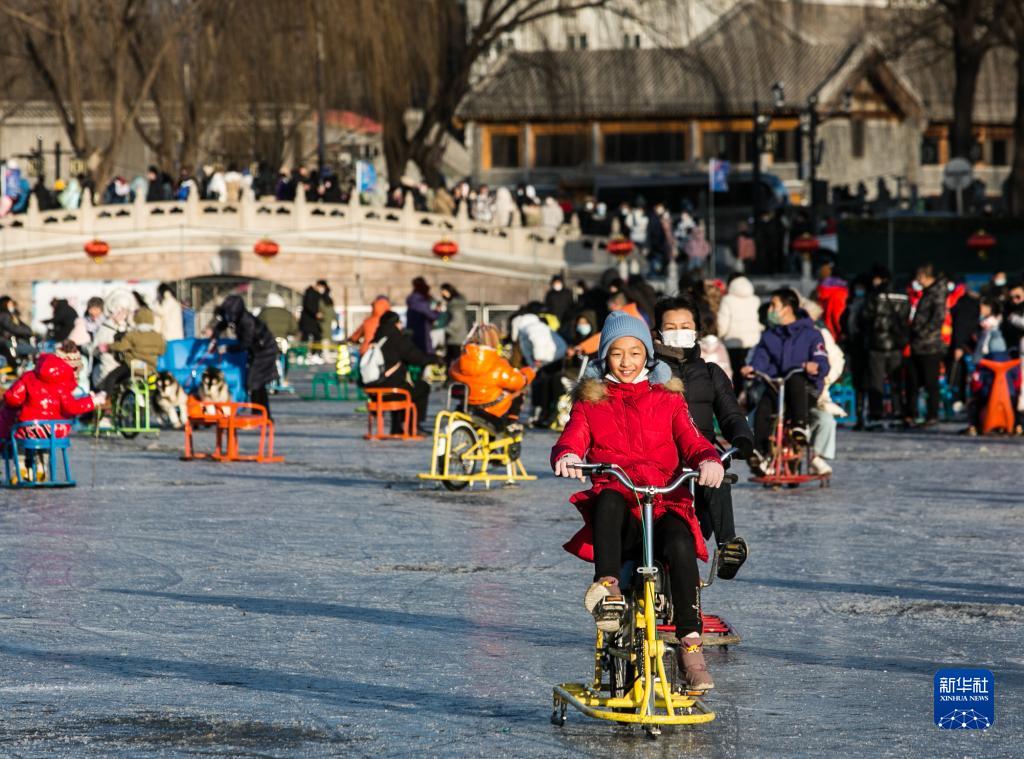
645,429
46,393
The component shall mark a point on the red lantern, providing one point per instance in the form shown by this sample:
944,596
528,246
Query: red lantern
97,250
445,249
266,248
620,247
981,243
806,244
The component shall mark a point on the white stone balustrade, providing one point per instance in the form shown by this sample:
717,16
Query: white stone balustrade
238,225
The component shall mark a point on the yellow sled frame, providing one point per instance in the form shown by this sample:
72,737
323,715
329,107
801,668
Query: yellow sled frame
651,701
484,450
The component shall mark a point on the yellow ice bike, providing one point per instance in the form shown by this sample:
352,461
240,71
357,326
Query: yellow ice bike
633,682
465,448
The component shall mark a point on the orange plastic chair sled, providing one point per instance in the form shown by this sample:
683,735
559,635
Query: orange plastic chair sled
998,412
377,406
229,419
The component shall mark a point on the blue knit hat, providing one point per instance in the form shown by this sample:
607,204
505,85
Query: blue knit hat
620,324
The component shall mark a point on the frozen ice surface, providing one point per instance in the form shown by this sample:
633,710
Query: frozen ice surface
336,606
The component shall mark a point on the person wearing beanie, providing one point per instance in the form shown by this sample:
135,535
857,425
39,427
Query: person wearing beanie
140,343
624,418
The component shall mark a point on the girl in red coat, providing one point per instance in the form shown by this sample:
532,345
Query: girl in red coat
646,429
45,393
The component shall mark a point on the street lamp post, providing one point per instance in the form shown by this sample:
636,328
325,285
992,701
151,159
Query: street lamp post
762,121
814,149
813,157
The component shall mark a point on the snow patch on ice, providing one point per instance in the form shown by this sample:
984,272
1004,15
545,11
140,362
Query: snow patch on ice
944,611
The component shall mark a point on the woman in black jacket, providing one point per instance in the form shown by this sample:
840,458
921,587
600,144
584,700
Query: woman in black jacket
14,335
710,396
256,339
399,354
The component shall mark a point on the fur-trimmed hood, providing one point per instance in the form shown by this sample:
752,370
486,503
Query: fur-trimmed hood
592,390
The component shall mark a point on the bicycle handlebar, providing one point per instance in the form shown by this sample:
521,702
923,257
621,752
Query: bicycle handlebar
685,476
779,380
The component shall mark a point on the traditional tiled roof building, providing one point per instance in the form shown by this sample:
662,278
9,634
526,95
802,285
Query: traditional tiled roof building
587,118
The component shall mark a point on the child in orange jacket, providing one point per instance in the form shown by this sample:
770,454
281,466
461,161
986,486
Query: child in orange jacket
495,388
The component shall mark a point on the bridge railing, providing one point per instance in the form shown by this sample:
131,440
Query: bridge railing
250,219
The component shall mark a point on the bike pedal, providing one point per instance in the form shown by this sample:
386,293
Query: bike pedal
613,604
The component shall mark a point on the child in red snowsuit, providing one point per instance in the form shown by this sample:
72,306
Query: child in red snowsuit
646,429
45,393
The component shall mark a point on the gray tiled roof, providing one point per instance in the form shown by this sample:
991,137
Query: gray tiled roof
732,63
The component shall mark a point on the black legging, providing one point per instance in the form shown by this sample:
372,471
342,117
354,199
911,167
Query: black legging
546,388
798,401
500,422
115,377
714,512
262,397
882,365
420,392
924,372
617,533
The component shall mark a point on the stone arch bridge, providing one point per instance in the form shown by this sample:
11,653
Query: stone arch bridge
361,250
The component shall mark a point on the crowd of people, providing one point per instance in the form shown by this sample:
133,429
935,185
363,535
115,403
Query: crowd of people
600,362
887,348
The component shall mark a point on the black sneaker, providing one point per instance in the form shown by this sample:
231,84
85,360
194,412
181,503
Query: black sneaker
758,465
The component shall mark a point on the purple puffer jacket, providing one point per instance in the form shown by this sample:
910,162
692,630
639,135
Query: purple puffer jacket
786,347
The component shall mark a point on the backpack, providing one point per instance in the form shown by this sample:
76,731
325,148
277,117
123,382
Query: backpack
371,363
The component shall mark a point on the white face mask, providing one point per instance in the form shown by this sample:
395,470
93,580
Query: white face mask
679,338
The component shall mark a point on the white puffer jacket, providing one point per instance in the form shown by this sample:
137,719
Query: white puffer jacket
738,325
537,341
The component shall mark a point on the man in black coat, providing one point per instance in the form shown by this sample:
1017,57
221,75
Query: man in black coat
399,354
885,326
309,319
710,396
256,339
62,321
559,301
966,314
926,345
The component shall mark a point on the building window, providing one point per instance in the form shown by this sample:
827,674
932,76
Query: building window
1000,153
562,149
785,146
504,151
857,138
631,41
578,41
644,147
727,146
929,151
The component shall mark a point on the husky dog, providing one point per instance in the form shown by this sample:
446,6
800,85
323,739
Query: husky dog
213,387
171,399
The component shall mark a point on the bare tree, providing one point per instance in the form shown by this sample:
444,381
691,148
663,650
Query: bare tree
63,41
191,77
422,56
1012,31
968,29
